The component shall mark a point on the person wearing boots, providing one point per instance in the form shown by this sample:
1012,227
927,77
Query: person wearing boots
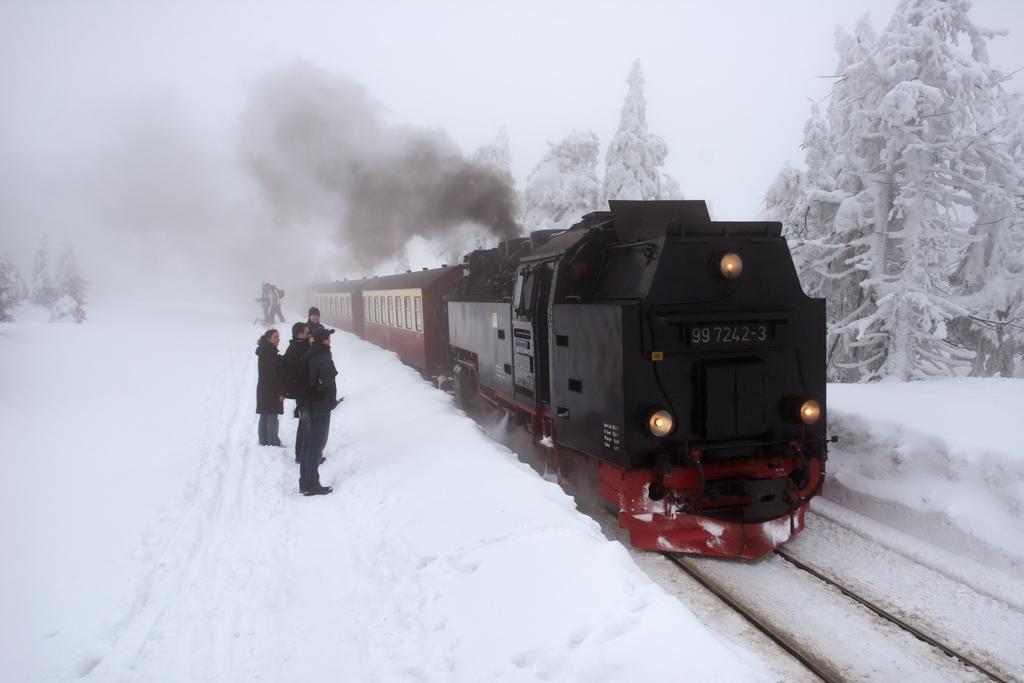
323,398
297,383
269,387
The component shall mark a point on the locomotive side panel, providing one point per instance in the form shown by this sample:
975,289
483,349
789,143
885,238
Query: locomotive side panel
484,329
588,371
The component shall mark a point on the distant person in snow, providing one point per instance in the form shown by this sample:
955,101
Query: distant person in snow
314,319
264,301
297,381
269,387
275,295
323,398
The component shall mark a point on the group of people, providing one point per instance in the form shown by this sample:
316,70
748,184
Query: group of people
305,373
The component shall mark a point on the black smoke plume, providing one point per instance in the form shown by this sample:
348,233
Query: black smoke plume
322,150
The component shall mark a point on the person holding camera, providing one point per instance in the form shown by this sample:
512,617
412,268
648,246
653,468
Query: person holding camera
297,384
322,399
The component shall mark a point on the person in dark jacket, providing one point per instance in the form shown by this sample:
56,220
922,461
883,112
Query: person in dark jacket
323,398
297,381
269,387
314,319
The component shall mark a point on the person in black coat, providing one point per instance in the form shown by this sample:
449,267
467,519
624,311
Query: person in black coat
322,399
297,381
269,387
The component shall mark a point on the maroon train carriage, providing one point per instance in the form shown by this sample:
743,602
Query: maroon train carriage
341,304
407,313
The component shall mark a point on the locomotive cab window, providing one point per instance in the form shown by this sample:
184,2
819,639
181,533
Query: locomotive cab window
517,291
523,297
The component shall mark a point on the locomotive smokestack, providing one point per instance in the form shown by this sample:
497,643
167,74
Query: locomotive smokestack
321,149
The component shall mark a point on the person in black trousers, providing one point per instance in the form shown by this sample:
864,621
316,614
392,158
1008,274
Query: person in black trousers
323,398
297,381
269,387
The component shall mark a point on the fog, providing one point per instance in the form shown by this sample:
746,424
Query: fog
190,148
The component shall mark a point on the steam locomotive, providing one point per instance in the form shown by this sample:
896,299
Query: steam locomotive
670,361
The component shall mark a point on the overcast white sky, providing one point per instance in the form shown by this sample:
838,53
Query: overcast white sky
728,83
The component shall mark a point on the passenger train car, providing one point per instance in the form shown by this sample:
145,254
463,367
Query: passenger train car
669,361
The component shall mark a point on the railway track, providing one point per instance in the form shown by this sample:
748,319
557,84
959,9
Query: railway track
949,661
815,662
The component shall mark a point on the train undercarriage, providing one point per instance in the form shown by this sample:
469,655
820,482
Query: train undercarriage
714,508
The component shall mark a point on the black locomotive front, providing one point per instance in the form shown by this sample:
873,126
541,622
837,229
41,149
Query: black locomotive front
677,354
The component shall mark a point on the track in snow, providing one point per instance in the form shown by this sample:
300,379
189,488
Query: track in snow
814,661
781,639
889,616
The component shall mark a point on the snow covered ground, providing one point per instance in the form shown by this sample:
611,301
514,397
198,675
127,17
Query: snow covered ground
147,537
942,461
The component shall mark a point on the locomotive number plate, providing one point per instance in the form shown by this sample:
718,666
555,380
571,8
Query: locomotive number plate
741,333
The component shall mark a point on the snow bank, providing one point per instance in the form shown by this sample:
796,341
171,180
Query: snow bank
942,460
148,537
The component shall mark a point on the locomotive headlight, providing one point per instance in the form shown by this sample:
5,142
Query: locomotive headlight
810,411
661,423
730,265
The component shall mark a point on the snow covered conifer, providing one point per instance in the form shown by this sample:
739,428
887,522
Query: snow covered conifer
69,303
12,288
634,157
990,276
563,185
41,289
496,156
905,178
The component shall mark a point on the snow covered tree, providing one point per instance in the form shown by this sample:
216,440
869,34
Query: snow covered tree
564,185
12,288
635,156
495,156
69,303
41,290
990,277
903,178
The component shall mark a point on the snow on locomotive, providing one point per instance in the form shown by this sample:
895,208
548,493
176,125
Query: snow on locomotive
671,361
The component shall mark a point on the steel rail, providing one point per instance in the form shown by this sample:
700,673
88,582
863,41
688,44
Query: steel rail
777,637
892,618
